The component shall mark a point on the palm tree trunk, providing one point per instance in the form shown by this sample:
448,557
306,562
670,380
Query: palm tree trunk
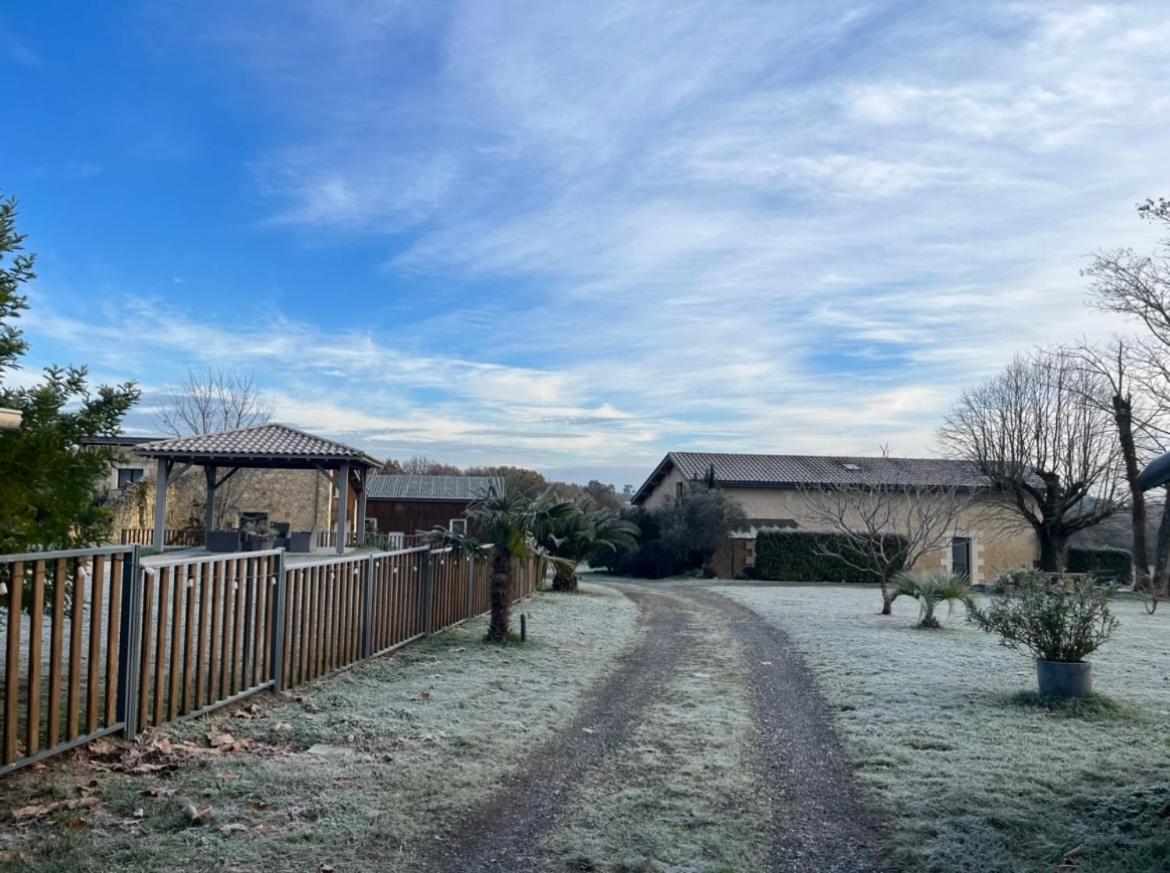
501,595
564,579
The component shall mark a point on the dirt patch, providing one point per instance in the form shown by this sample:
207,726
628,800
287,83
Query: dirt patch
505,832
819,823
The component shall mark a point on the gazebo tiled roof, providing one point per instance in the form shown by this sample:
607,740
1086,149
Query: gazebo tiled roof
264,445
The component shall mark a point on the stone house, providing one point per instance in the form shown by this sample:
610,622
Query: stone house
988,538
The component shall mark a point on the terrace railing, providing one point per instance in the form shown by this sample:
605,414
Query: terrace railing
177,536
96,641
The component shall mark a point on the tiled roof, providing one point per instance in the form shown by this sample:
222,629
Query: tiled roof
793,471
403,487
266,441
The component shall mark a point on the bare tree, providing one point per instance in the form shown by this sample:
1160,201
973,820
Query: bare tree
421,465
1049,454
210,402
1116,369
1138,285
882,530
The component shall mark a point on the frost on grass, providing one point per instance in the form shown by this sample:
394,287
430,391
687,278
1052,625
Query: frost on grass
362,767
681,795
973,773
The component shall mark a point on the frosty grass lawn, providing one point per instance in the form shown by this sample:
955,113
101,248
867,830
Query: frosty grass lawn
971,772
382,757
681,795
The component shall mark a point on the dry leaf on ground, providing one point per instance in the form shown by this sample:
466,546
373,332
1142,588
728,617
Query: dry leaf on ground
36,810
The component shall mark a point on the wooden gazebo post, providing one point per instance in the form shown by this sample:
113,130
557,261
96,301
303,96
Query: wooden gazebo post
342,506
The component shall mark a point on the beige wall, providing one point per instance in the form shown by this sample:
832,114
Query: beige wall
1000,540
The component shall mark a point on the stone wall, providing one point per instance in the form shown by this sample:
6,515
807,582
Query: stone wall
300,497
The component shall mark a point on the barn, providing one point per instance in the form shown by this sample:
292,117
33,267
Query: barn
406,504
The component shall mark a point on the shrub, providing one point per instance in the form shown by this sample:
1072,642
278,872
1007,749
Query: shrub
681,535
932,587
801,556
1052,619
1009,580
1112,565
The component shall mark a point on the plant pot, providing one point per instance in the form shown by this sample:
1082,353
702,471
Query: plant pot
1064,679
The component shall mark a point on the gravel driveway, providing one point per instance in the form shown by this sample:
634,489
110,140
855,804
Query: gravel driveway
817,822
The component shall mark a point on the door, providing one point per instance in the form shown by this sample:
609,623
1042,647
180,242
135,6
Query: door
961,556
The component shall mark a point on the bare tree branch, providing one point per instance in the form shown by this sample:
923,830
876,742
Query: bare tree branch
1049,453
881,530
212,402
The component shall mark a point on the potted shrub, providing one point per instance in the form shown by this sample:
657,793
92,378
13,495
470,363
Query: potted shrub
930,588
1058,620
257,534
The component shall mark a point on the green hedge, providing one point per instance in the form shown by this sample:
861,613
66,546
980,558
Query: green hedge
798,556
1114,564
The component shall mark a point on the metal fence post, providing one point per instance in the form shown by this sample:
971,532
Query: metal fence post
368,611
426,591
277,658
129,643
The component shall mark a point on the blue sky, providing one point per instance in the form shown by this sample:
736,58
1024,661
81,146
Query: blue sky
576,235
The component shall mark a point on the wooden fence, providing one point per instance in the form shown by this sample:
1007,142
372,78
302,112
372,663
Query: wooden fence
99,641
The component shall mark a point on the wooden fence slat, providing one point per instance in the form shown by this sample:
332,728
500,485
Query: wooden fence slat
214,645
241,585
147,638
113,637
249,658
73,715
32,739
97,581
304,611
174,671
160,649
201,659
56,653
189,665
12,664
316,641
326,618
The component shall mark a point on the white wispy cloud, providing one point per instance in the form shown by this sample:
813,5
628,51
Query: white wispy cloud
743,225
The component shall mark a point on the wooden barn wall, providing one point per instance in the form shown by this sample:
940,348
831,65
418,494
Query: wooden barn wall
408,516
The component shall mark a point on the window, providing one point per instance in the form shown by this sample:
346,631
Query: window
127,476
458,525
961,556
849,466
678,490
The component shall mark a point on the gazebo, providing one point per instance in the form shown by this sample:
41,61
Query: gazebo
270,447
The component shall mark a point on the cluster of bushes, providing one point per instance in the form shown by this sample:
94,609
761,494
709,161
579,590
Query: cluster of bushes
679,537
1106,564
809,556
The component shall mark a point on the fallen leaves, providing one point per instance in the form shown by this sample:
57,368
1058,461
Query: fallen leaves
158,791
249,710
38,810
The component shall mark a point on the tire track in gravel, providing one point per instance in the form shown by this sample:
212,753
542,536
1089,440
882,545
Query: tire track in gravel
820,824
504,832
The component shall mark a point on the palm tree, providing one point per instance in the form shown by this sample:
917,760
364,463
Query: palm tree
508,522
589,529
